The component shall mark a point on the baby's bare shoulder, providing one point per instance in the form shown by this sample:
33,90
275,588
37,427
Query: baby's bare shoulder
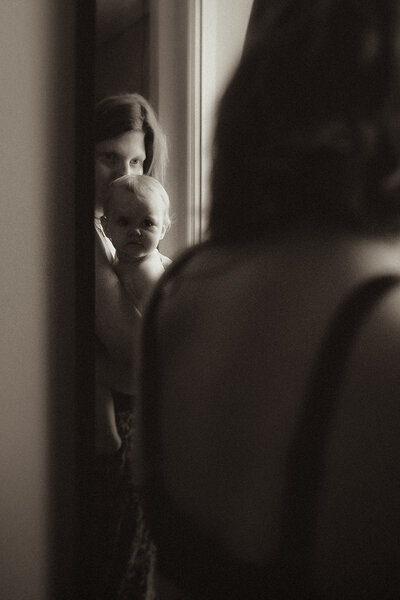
151,265
165,261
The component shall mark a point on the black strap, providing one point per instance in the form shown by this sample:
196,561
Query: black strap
201,565
307,454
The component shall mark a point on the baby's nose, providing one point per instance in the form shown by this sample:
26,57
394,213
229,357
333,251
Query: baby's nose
135,231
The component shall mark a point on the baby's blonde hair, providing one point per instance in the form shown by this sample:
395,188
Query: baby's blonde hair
139,186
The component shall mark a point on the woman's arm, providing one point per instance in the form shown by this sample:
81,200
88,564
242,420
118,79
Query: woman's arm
117,321
116,375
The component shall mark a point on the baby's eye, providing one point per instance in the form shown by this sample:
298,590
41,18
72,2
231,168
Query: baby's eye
148,223
122,221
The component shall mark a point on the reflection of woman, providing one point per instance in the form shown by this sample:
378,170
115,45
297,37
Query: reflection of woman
271,365
128,140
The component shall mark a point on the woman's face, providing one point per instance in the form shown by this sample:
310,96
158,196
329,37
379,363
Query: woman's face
123,155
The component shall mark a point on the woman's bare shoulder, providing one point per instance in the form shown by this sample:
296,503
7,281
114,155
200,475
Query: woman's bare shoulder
374,372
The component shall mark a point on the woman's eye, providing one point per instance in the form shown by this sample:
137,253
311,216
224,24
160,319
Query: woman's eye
107,156
136,162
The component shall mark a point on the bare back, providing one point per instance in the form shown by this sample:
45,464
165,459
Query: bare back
246,324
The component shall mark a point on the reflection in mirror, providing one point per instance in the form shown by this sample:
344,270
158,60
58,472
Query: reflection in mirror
178,55
122,49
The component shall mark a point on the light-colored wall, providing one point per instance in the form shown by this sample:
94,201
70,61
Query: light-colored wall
36,315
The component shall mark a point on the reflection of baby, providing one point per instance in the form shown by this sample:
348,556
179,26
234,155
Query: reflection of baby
136,217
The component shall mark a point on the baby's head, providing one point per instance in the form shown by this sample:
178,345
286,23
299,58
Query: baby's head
136,215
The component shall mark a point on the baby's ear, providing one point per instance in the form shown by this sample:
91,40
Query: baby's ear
104,224
163,231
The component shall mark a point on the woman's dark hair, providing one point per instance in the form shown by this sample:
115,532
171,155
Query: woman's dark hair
309,127
115,115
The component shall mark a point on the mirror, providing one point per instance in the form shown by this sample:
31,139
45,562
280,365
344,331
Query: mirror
178,54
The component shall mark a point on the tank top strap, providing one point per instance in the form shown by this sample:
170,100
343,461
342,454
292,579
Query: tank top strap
306,461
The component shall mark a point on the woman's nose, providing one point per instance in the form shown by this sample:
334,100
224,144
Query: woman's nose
121,169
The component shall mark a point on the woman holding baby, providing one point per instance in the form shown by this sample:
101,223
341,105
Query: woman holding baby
128,141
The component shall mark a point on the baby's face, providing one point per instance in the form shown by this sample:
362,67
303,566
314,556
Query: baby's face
135,226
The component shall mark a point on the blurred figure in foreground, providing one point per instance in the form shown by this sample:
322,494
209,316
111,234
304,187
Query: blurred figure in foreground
271,380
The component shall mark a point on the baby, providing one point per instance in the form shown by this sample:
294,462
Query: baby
136,217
